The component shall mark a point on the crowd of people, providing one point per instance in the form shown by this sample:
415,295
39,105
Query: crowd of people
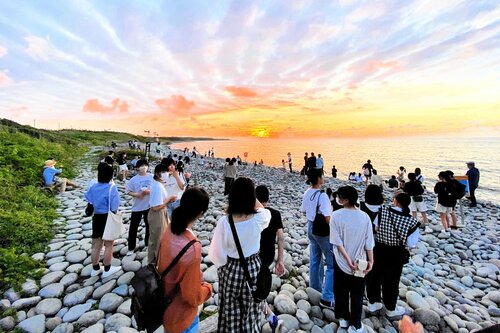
357,246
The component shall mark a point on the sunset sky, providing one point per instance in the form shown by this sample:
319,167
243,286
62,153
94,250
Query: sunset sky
253,68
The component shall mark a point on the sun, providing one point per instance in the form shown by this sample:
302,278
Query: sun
260,132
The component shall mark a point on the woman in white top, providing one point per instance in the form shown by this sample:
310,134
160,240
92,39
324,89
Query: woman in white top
174,184
157,217
237,310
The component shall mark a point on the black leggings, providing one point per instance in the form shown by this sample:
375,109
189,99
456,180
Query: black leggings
135,220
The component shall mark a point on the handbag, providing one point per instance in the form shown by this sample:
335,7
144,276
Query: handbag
320,227
89,210
262,287
114,225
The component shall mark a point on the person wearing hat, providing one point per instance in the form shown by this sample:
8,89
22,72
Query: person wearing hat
473,175
50,176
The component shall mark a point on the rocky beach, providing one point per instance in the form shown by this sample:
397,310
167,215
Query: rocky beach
451,283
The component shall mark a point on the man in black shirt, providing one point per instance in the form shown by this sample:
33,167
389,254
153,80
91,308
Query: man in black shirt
268,235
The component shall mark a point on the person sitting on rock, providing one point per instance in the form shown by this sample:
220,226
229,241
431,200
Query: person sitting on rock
50,177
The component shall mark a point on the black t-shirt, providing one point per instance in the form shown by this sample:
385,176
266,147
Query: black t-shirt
413,188
268,237
109,160
445,195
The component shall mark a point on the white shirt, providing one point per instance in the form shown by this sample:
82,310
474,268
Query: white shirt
374,208
248,231
310,202
158,194
172,187
352,229
140,183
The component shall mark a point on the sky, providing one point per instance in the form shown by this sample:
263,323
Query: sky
253,68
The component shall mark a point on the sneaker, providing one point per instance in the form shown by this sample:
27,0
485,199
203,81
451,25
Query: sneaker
428,230
130,252
343,323
453,227
327,304
374,307
397,312
96,272
112,270
353,329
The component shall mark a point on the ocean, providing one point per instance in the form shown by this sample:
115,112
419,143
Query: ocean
387,155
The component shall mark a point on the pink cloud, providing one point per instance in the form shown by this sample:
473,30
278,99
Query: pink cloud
176,104
241,91
375,65
94,106
4,79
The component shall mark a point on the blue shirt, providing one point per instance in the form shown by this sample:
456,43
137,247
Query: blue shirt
99,196
473,175
49,175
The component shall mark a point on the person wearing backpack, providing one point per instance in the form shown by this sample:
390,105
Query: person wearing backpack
238,311
446,201
181,316
415,189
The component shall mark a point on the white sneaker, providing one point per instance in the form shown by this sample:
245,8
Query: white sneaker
374,307
112,270
397,312
353,329
130,252
428,230
343,323
96,272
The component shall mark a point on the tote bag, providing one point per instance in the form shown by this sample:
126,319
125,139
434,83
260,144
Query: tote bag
114,224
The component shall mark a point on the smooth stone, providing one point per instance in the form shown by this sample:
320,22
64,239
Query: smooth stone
304,306
8,323
284,304
52,323
210,274
69,279
60,266
121,290
50,278
416,301
76,256
26,302
52,290
289,322
302,316
96,328
104,289
35,324
49,306
427,316
116,321
29,287
90,318
75,268
76,312
467,281
110,302
131,266
78,296
64,328
313,295
124,308
494,296
125,278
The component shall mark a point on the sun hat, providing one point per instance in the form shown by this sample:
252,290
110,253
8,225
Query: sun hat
49,163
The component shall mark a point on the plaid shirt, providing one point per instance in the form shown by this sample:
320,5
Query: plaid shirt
394,227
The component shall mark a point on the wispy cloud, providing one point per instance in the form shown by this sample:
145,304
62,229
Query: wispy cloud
4,79
175,105
241,91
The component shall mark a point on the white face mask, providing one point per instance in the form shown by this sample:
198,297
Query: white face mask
143,168
337,200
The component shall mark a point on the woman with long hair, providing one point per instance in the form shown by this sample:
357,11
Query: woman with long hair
238,312
372,203
315,201
229,174
182,315
390,255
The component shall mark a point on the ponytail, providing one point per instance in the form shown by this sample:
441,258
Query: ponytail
194,202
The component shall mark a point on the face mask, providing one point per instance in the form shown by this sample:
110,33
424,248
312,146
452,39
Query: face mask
143,168
337,200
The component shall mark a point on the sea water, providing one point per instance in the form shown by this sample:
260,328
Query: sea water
432,155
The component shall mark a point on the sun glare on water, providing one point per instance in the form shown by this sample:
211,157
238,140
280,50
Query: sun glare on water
260,132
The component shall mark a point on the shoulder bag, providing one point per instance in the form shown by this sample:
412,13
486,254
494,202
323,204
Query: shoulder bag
114,224
320,227
262,287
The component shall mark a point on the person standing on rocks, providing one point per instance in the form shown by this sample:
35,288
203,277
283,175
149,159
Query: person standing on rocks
390,255
157,215
473,176
313,202
182,314
367,170
238,312
139,187
306,158
289,155
416,191
375,179
268,235
446,201
352,238
229,174
174,184
320,163
334,171
104,197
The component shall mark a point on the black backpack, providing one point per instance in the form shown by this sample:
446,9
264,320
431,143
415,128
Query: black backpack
458,189
148,300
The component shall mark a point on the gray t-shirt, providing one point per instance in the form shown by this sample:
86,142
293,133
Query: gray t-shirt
351,228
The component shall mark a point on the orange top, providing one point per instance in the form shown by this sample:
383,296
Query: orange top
187,274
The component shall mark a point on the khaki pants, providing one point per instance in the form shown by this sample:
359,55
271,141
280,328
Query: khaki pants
157,224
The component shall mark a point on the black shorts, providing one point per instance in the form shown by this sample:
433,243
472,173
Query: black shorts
98,225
